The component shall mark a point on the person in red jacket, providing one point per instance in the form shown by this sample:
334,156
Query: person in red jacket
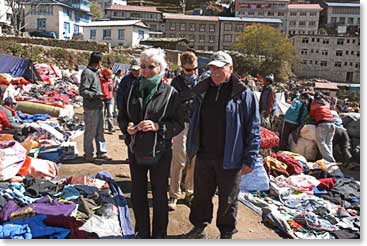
4,122
325,128
107,90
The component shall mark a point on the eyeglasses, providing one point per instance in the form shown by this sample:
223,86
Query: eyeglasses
190,70
150,67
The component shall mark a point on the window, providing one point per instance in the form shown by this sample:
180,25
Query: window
261,13
358,20
228,38
352,52
325,41
172,26
303,14
210,48
342,20
358,53
323,63
357,65
227,27
348,41
318,40
211,28
140,34
316,62
353,41
339,53
351,64
312,23
251,13
304,62
239,28
293,23
115,13
182,27
41,10
76,29
121,34
93,34
302,23
340,41
270,13
201,39
350,21
67,27
333,20
202,28
338,64
67,12
211,39
317,51
192,38
41,24
347,52
311,51
310,61
106,34
313,14
192,27
305,40
280,13
345,63
304,51
293,13
324,52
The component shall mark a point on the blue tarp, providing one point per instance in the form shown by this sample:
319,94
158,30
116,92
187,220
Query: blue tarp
18,67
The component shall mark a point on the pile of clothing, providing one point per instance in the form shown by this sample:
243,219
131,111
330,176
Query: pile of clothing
76,207
304,200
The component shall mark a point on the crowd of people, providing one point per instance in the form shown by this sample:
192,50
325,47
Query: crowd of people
200,130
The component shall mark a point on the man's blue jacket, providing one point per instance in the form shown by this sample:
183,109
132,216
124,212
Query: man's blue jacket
242,142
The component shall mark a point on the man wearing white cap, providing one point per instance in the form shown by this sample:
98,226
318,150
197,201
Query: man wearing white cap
224,134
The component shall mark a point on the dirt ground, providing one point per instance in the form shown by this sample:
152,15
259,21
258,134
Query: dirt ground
249,223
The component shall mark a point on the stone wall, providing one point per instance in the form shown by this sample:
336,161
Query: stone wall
66,44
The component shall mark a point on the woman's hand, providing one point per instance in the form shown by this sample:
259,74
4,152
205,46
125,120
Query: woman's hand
131,129
148,125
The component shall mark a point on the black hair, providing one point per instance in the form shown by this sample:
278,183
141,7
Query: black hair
95,58
119,71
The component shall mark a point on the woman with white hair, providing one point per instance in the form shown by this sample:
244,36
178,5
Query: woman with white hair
150,117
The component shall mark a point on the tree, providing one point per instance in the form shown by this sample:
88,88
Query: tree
266,50
96,10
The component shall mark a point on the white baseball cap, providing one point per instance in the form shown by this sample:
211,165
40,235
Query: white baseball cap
220,59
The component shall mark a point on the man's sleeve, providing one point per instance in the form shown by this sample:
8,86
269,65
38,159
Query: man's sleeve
251,131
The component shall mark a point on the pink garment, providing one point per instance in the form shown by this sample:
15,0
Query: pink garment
303,183
43,169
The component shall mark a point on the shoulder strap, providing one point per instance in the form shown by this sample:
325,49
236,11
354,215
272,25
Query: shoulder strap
165,107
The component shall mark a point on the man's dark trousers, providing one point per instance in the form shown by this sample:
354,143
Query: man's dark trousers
210,174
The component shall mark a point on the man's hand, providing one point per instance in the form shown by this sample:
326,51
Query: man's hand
245,170
148,125
131,129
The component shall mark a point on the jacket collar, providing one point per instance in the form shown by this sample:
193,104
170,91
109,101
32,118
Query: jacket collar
238,86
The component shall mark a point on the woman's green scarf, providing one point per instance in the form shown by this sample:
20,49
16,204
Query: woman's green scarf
148,87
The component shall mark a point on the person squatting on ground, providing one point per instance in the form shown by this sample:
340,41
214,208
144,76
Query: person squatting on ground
151,115
107,90
183,83
224,134
293,118
325,128
91,91
267,103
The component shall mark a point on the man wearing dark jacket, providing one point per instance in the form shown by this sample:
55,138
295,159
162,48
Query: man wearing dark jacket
127,81
183,83
91,91
224,134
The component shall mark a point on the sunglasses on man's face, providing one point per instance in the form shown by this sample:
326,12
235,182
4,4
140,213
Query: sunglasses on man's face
190,69
150,67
